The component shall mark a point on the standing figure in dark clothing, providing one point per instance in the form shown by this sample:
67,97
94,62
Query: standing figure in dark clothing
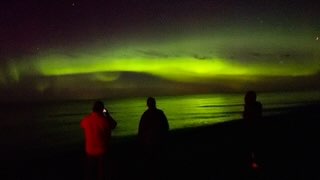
152,134
252,108
252,115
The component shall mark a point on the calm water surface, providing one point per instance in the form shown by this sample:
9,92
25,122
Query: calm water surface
57,124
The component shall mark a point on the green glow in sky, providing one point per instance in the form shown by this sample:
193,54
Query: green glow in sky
171,68
191,58
195,58
174,68
175,48
232,50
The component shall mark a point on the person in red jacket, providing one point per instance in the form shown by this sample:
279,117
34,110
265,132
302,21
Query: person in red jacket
97,128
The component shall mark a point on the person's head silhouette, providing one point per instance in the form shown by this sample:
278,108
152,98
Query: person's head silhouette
151,103
98,106
250,97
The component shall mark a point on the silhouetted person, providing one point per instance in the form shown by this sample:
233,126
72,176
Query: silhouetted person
252,116
97,128
152,134
252,108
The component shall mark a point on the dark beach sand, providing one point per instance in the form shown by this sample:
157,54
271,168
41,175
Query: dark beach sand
288,149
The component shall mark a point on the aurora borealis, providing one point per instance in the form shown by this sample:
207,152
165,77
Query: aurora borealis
87,49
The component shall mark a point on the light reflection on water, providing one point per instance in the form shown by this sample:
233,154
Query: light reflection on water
57,124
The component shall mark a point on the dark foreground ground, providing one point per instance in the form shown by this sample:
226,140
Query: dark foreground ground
288,148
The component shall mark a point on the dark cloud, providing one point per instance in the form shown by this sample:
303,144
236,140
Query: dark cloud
153,53
86,86
267,56
201,57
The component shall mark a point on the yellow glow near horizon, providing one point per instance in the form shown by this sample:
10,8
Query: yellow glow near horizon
174,68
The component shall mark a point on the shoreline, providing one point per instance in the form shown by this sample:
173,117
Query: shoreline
289,150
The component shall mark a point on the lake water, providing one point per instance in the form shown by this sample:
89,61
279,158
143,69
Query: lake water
51,125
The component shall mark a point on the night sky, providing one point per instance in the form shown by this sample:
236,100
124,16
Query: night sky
66,49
